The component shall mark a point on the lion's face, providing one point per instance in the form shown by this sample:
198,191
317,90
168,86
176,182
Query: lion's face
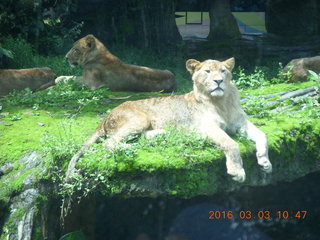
80,51
211,77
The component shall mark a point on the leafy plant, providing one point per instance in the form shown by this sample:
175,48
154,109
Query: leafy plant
313,76
59,148
5,52
24,57
257,107
15,118
22,52
285,76
57,39
310,105
253,80
33,21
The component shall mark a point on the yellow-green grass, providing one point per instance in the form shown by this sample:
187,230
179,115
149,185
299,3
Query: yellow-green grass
192,17
252,19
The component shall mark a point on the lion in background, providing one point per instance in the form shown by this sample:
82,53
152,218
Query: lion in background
102,69
18,79
211,109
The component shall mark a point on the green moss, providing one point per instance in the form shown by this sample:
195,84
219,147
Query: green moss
13,182
277,88
10,225
59,127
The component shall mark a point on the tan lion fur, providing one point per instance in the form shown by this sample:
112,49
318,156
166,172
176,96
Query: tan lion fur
212,109
33,78
102,69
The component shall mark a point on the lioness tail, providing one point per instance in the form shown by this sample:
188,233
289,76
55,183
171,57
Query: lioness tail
72,164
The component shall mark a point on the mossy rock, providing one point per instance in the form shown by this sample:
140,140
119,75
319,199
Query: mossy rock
56,122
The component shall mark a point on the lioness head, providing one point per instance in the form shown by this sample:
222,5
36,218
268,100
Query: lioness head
211,77
82,51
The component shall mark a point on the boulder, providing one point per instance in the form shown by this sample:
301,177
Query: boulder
297,69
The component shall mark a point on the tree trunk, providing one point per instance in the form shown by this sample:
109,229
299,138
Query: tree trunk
144,23
222,23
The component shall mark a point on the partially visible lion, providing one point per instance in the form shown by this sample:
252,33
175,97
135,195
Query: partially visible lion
212,109
102,69
33,78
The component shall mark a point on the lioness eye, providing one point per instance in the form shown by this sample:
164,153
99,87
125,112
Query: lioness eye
222,70
207,71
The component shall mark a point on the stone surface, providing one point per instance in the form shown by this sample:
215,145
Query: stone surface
22,206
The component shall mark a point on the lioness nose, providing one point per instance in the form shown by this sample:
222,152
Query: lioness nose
218,81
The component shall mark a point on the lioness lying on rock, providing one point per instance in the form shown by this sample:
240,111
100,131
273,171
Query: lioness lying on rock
33,78
212,109
102,69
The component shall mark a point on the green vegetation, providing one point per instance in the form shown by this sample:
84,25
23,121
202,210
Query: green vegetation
253,80
24,57
56,122
31,20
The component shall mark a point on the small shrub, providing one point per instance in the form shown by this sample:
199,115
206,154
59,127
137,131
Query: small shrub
16,117
310,105
257,107
285,76
59,148
253,80
313,76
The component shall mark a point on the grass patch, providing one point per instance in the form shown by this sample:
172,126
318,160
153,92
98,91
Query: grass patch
192,17
251,19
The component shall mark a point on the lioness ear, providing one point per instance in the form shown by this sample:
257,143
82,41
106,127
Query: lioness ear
229,63
191,65
90,41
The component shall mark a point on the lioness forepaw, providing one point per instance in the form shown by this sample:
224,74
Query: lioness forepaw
238,175
265,164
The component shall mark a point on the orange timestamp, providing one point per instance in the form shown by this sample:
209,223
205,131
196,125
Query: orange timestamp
262,214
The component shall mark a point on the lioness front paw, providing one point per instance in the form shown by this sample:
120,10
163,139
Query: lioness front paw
63,79
238,175
265,164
